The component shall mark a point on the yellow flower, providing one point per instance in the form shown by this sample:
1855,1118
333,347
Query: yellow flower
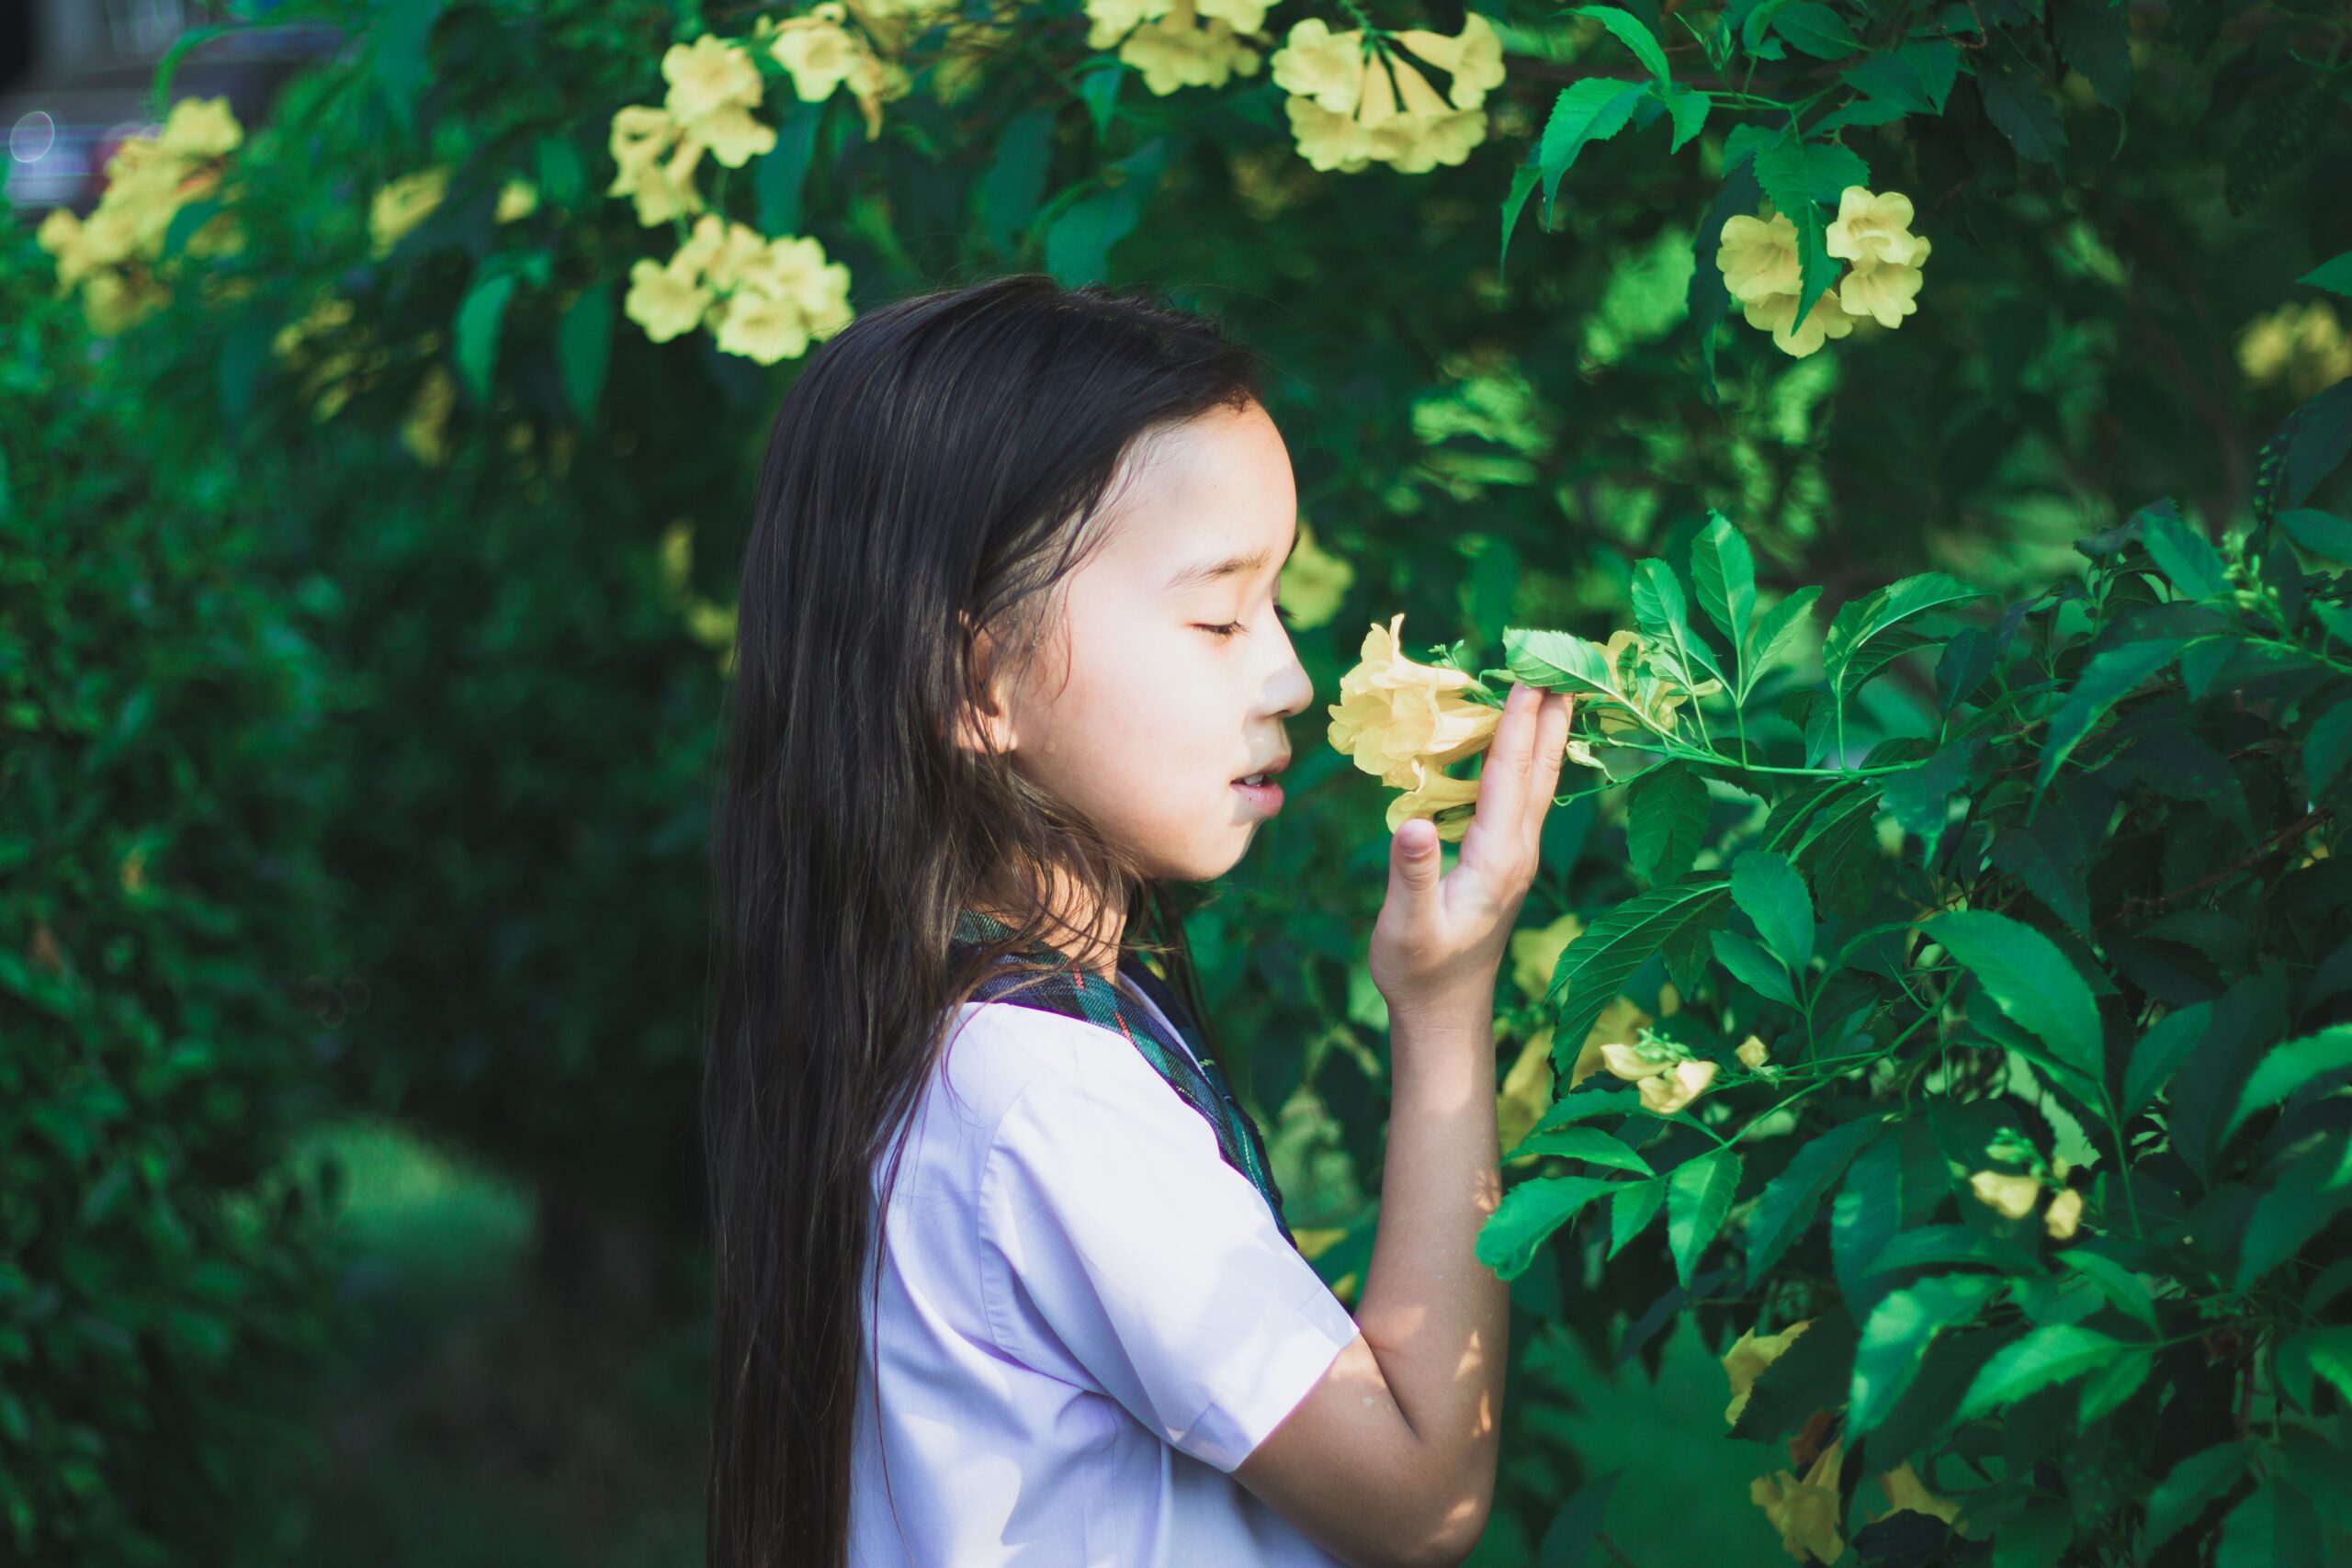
1751,1054
114,302
1314,583
1172,52
1317,63
1884,290
641,138
1777,314
2011,1195
1526,1090
818,55
64,235
2302,347
666,300
425,431
1804,1512
1433,794
1326,140
1875,227
517,199
1110,20
714,86
1906,1493
1653,696
200,128
1758,256
399,206
1535,952
1748,1358
1395,715
1473,58
1241,16
1667,1093
2064,1216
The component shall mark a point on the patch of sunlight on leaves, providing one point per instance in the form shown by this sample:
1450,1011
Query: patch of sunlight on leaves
1799,390
1806,500
1497,405
416,1209
1647,298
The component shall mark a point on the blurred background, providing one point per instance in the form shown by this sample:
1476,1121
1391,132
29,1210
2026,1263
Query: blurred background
367,547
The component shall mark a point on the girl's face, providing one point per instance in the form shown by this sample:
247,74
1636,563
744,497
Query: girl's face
1173,673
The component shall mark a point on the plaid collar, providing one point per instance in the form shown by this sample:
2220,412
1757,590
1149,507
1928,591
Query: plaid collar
1193,1074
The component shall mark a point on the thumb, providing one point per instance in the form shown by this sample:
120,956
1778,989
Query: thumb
1412,860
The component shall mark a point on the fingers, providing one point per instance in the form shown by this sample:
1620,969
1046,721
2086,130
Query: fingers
1413,866
1503,781
1551,751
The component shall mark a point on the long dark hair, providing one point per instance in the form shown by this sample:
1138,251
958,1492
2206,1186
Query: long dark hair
930,477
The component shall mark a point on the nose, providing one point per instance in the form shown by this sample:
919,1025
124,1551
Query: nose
1289,688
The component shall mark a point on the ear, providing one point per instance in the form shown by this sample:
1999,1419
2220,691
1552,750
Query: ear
985,720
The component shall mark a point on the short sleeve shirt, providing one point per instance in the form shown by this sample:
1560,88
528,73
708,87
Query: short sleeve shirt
1085,1320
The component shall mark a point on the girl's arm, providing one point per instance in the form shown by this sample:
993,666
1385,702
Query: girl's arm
1389,1461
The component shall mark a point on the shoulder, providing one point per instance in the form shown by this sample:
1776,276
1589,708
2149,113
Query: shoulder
1000,1055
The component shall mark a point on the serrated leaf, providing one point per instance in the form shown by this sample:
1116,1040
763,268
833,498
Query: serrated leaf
1920,798
1809,1377
1895,1337
1561,661
2185,556
1666,822
2043,1359
1588,1144
1528,1213
2321,533
2315,1187
2095,39
1866,1215
1634,34
1593,109
1752,967
2289,1068
2334,276
1774,629
2112,675
1697,1195
2029,980
1631,1211
1689,107
1788,171
1816,29
2125,1289
1722,574
1584,1104
1769,891
2160,1053
2105,1390
2273,1528
1787,1205
1595,966
2021,109
1863,637
2191,1486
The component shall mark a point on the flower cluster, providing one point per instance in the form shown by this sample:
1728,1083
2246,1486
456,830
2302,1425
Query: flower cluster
2303,348
1761,269
1353,102
2014,1196
1402,722
1805,1510
1664,1071
1180,43
766,299
115,256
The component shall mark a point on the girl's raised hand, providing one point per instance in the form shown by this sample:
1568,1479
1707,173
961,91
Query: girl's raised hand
1440,940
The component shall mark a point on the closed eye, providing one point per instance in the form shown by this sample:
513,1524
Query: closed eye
1224,631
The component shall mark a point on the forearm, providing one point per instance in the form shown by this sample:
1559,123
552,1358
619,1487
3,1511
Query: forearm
1436,1317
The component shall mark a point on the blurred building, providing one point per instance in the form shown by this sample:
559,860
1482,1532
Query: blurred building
77,76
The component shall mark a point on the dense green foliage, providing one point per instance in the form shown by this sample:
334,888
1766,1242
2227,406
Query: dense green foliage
159,906
1513,387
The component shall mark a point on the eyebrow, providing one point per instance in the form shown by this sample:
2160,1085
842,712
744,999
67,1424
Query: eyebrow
1215,570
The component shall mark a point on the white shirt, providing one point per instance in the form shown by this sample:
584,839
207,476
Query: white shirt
1085,1321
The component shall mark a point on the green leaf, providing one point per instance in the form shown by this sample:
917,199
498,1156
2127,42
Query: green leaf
1786,1206
1751,965
1921,799
1799,176
1867,1214
1809,1377
584,348
2273,1528
2191,1487
2126,1289
1862,641
2332,275
2160,1053
1078,244
2326,748
1560,661
2095,37
2185,556
1585,1143
1593,109
480,315
2321,533
1689,107
1015,181
1584,1105
1769,891
1665,617
2290,1067
1523,180
1528,1213
1697,1195
1666,822
2315,1187
1722,574
2105,1390
2317,1353
1816,29
1631,1211
1595,966
2044,1358
2112,675
1896,1335
2021,109
782,171
2029,980
1634,34
1774,631
1568,1541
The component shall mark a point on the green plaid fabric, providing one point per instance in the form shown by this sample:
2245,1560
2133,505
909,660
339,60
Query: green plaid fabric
1077,994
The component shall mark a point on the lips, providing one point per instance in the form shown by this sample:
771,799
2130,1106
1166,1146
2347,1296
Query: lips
1263,775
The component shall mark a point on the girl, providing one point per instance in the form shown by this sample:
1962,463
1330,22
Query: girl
1000,1274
